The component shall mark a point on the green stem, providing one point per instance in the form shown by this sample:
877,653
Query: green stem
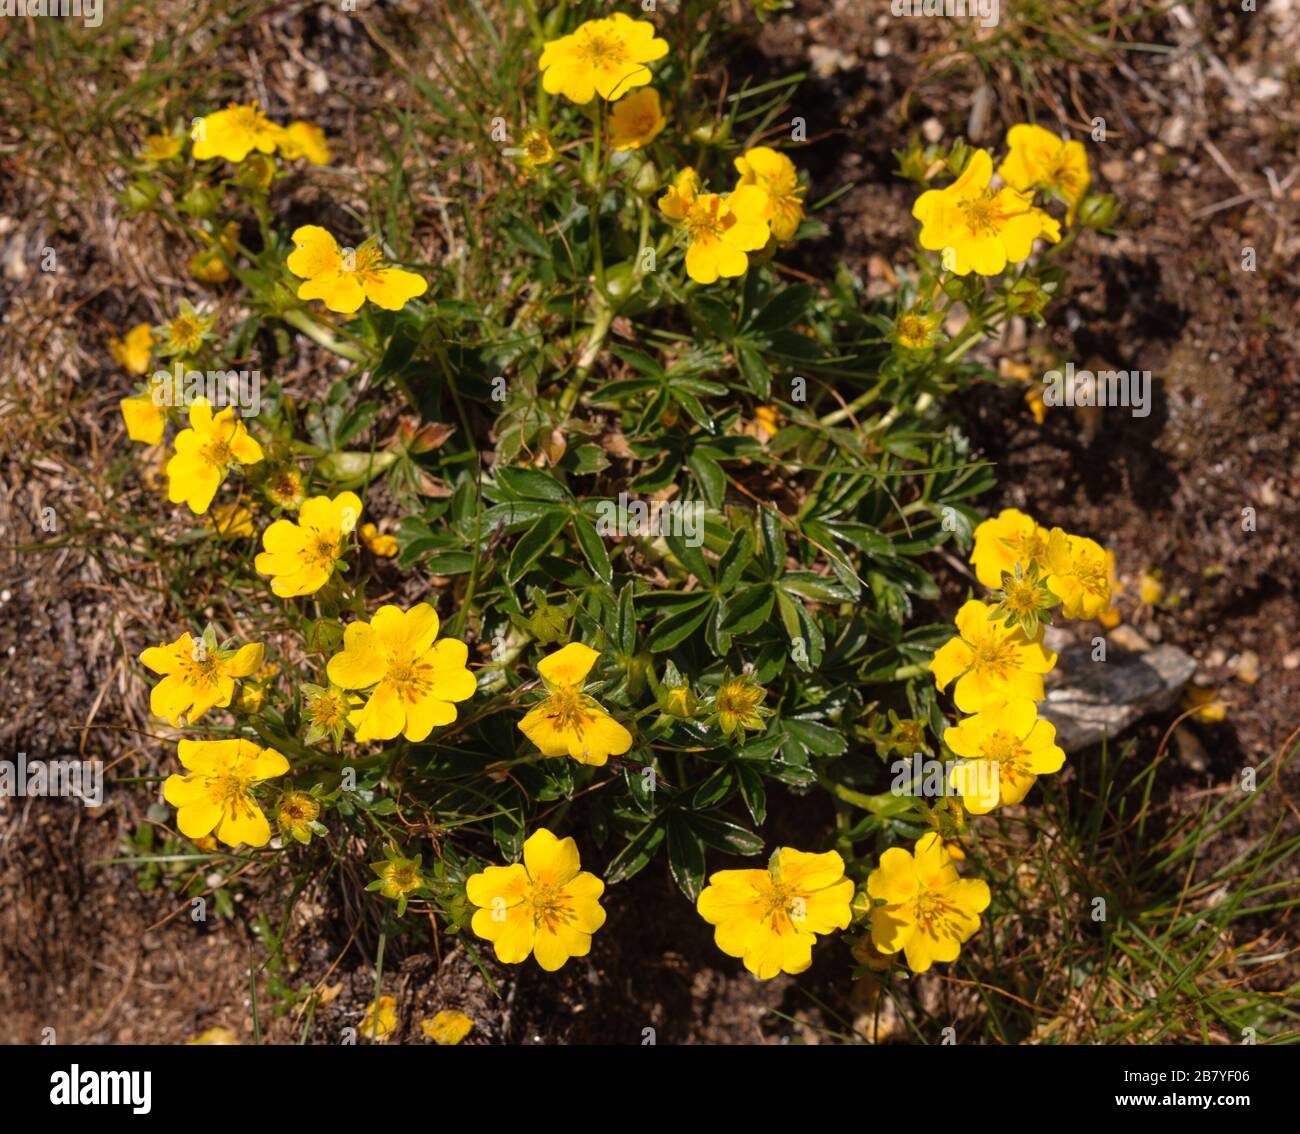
313,330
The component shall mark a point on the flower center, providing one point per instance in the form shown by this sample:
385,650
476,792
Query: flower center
1091,575
598,50
995,656
230,793
323,548
982,215
549,905
326,712
566,709
218,452
707,219
1006,751
933,913
1021,597
1029,547
411,679
738,699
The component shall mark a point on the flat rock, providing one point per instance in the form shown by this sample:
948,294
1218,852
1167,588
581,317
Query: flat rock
1090,700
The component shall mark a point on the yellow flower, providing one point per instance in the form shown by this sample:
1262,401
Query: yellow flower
606,57
204,454
208,265
979,228
1079,574
1150,589
775,174
636,120
144,419
680,195
133,350
382,546
1038,159
914,331
1209,707
416,678
568,722
343,279
1000,544
771,918
929,912
721,229
447,1027
380,1020
300,556
1008,747
326,712
989,661
535,150
160,147
215,1037
232,521
296,815
284,487
187,330
303,140
546,905
197,675
397,877
737,704
234,133
216,794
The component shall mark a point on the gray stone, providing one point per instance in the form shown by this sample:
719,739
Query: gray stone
1088,700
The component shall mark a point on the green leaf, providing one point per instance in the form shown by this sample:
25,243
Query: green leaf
676,628
531,485
749,608
724,835
735,559
593,548
817,738
533,542
685,857
711,478
636,855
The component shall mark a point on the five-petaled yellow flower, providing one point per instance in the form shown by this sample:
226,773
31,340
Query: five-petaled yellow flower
300,556
344,278
1079,574
568,722
636,120
133,350
416,676
197,675
216,794
989,661
1008,747
546,905
234,133
979,228
929,911
721,229
771,918
1038,159
204,454
1004,541
605,57
775,174
535,150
